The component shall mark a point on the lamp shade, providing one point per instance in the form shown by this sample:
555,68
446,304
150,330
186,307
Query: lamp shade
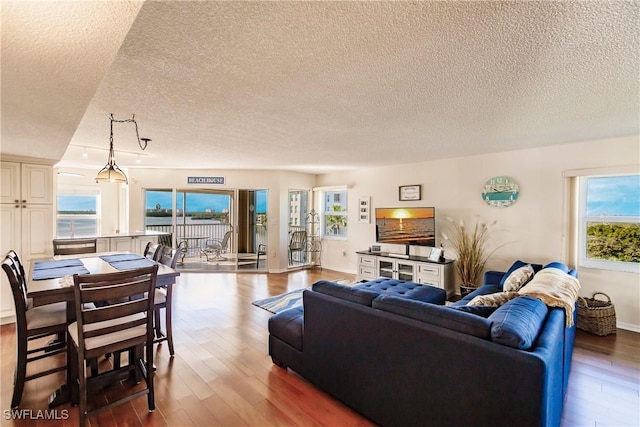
111,173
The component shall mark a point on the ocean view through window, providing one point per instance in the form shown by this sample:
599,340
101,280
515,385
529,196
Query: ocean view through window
203,213
77,215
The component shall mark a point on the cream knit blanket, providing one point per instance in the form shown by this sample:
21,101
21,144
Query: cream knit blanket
556,289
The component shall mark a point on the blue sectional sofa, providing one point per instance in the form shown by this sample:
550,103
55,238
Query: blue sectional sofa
402,358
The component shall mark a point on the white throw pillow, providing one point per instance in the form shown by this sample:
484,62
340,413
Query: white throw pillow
493,300
518,278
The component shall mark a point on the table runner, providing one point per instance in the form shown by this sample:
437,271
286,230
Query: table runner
58,263
130,264
120,257
43,270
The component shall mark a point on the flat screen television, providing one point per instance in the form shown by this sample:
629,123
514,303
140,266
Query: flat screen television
406,226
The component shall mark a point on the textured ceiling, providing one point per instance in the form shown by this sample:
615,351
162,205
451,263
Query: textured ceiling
314,86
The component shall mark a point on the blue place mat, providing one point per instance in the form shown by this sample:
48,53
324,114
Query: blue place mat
55,273
46,265
121,257
131,264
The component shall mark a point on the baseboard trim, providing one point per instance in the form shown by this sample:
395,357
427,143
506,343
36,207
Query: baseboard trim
628,326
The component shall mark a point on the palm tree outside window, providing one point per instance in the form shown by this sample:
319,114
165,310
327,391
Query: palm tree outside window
335,214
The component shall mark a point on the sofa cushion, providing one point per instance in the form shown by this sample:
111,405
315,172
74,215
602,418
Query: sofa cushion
517,323
438,315
404,289
493,300
478,310
558,265
288,326
517,278
482,290
516,265
561,266
348,293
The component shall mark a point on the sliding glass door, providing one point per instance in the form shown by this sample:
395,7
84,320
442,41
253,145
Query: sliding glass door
198,218
202,218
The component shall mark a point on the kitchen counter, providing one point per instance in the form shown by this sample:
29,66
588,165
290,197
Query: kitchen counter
136,233
131,241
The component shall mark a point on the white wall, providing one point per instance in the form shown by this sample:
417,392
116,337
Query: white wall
533,229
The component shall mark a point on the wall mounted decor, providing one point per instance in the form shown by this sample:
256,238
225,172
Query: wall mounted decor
410,192
500,191
364,209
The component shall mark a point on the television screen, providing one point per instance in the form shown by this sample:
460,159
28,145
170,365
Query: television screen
406,226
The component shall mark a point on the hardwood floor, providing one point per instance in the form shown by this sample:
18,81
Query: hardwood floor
221,374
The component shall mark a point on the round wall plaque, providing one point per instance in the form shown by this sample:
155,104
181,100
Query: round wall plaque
500,191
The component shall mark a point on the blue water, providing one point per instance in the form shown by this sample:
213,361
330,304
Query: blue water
87,227
406,230
82,227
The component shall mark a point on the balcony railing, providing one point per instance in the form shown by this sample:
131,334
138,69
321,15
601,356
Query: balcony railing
210,231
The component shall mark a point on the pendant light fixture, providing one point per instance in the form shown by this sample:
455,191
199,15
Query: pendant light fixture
111,172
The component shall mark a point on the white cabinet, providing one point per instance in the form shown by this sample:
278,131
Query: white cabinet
10,182
102,244
439,275
396,269
37,231
415,269
26,183
135,244
26,210
121,244
367,267
37,184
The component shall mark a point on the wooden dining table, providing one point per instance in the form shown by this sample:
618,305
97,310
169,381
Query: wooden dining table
44,289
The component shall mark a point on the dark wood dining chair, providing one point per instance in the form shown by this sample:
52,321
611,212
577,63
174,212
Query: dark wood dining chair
153,251
74,246
164,299
125,325
33,323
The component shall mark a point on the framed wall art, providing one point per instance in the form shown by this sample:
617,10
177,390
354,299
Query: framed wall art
364,209
410,192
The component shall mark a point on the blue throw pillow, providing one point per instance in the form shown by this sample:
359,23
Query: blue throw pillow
558,265
517,323
438,315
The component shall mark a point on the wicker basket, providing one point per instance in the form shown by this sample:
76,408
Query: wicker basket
597,316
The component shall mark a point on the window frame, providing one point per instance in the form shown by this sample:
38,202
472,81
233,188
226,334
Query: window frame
584,219
325,213
81,191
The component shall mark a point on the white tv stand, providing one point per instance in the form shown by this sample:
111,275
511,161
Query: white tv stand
372,265
394,255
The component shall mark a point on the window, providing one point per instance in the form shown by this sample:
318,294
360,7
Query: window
610,222
334,214
297,208
77,214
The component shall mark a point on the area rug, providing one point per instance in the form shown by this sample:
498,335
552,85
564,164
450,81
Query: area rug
291,299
